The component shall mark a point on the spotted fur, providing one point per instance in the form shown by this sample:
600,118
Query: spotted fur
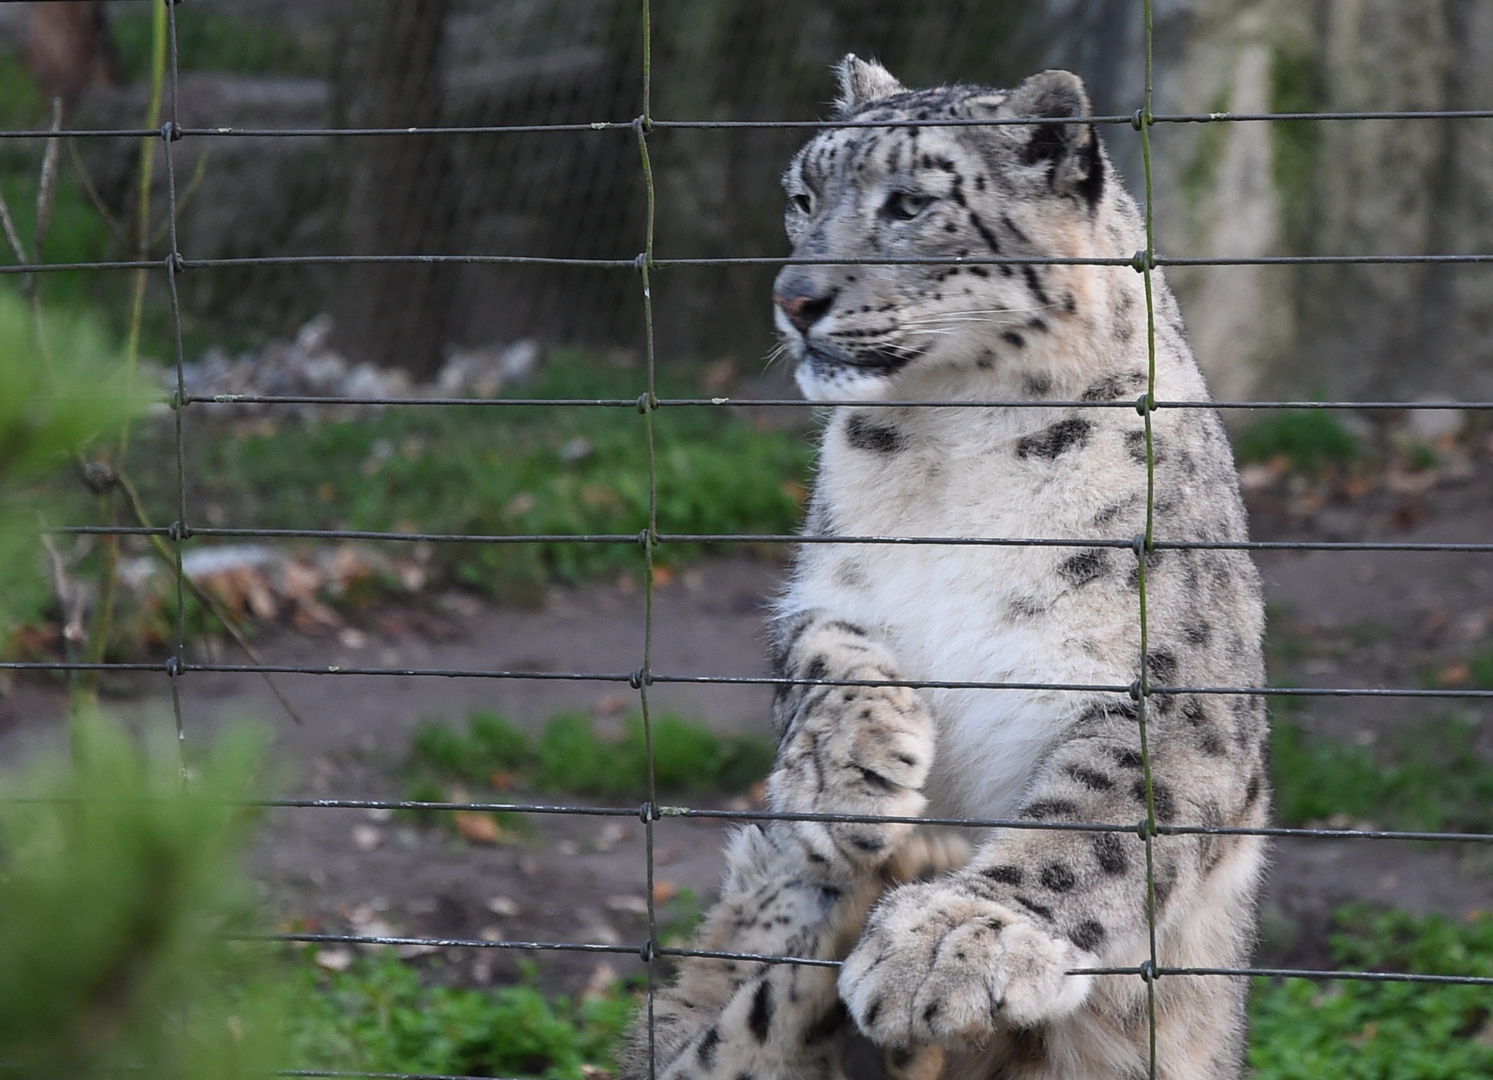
975,961
802,889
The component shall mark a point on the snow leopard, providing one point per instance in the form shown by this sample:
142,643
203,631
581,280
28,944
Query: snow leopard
886,652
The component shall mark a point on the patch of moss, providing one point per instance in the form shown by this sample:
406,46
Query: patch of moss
1295,87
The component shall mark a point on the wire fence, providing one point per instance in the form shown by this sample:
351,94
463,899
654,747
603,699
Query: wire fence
645,265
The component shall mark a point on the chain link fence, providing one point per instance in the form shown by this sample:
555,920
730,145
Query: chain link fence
585,182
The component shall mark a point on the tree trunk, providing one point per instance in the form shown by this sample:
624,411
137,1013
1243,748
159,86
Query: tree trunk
397,188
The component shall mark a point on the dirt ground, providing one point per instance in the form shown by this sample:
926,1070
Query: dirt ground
1356,618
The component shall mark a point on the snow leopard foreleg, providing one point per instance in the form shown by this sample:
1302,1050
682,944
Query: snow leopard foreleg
989,948
801,889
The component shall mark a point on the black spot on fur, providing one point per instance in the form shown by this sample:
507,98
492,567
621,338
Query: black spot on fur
1011,337
1166,880
1027,1051
1115,386
899,1056
1026,607
873,1012
1058,878
1090,778
930,1012
1109,851
1197,634
1161,666
1055,439
1034,283
1091,187
1087,935
1103,710
1107,515
1127,758
827,1025
1040,910
1084,567
1006,875
846,628
1135,447
760,1018
1047,809
1161,798
1037,384
818,668
708,1043
1153,560
1252,791
985,234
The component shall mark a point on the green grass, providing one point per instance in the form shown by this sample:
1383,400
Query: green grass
503,471
1430,779
217,41
1309,438
1382,1031
570,757
380,1016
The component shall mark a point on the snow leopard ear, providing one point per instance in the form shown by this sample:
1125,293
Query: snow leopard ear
1075,160
861,83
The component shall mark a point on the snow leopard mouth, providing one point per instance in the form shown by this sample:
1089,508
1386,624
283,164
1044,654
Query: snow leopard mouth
883,362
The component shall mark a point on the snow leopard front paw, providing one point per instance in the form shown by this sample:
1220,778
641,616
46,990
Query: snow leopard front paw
937,964
863,750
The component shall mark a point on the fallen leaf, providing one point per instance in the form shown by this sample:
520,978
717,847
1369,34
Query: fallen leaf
1457,673
664,891
612,704
477,828
628,904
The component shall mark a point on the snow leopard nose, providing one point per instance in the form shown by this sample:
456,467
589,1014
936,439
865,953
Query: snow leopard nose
803,305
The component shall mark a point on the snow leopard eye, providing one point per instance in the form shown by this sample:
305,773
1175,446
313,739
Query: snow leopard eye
906,205
803,204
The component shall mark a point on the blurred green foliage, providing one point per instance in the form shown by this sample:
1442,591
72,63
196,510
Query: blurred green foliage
215,40
570,757
118,884
1308,438
1382,1030
61,388
1431,778
504,470
380,1016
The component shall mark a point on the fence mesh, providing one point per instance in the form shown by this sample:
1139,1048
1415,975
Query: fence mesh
490,163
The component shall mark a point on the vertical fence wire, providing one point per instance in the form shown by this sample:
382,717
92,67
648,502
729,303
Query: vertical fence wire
648,405
1143,548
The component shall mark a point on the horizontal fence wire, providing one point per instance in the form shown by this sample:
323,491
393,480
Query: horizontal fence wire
650,539
1131,119
177,265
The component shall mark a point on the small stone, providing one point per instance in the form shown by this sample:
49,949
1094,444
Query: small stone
612,834
1434,424
504,906
334,959
630,905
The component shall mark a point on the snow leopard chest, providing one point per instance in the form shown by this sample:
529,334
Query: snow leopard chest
982,607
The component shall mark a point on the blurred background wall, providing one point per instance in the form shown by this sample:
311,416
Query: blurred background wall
1223,189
